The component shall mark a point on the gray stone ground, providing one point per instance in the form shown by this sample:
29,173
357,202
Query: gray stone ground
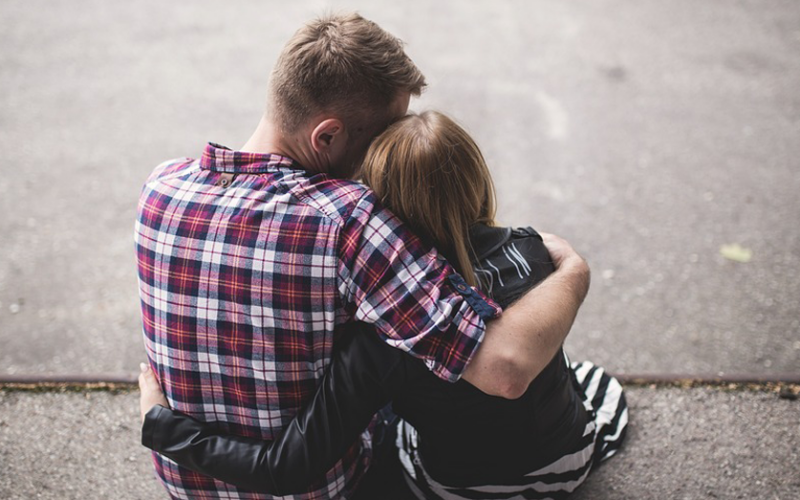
699,443
648,133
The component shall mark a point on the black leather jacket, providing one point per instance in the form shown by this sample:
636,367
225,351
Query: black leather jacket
466,437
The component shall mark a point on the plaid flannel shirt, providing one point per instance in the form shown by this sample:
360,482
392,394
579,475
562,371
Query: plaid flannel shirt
248,265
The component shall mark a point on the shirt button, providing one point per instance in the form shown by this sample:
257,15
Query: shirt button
462,288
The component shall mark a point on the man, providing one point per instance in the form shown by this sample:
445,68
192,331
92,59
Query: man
249,260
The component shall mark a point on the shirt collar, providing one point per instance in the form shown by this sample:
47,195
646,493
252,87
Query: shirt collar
219,158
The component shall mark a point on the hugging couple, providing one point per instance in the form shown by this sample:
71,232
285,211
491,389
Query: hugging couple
314,337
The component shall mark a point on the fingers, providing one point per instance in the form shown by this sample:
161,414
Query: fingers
561,251
546,235
150,390
550,239
558,248
147,378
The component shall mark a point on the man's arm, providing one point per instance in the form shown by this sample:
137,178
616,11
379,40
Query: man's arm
519,344
390,278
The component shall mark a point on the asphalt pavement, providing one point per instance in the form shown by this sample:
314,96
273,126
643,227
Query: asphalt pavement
660,138
650,134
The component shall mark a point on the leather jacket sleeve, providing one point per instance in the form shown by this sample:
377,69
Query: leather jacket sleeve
363,374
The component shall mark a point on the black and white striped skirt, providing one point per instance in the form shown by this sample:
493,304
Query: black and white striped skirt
602,437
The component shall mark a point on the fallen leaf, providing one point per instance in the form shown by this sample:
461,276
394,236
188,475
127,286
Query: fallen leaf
736,253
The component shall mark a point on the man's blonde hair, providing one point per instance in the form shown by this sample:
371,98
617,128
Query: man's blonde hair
341,64
430,173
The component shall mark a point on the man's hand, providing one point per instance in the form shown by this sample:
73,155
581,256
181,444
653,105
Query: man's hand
560,250
520,343
151,393
566,258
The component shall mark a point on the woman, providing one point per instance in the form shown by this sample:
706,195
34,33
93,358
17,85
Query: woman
454,441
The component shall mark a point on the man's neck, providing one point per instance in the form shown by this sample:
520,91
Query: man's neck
268,139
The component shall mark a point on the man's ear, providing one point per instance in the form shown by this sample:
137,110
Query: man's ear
328,136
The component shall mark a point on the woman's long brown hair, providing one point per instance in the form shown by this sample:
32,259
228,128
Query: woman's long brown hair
428,171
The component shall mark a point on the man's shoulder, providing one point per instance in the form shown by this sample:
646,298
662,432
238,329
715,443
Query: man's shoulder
338,199
171,168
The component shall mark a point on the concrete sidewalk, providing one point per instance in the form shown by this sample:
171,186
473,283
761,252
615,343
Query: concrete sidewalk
705,442
647,133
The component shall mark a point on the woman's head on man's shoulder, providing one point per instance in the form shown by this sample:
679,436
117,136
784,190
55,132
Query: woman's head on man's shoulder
429,171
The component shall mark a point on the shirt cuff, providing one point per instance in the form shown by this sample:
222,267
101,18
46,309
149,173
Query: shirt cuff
485,307
452,354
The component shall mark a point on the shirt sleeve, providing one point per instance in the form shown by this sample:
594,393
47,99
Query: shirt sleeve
389,278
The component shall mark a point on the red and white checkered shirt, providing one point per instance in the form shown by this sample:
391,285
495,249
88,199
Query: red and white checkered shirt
245,278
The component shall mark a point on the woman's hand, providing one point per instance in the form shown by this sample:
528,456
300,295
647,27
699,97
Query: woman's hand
151,393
